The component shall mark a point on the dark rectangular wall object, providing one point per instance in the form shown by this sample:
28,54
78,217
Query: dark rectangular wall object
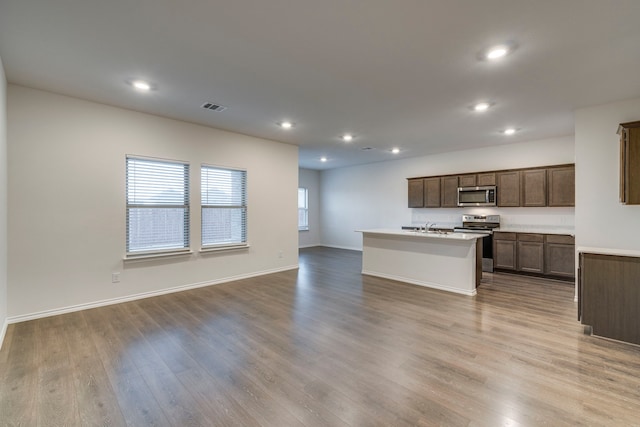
610,296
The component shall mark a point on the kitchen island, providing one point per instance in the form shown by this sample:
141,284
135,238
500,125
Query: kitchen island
446,261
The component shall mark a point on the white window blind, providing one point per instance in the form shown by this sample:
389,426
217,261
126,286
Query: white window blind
224,206
157,205
303,209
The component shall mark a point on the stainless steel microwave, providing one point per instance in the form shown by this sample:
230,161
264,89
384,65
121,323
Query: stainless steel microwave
477,196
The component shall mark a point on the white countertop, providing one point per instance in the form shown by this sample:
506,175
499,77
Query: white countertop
423,235
536,229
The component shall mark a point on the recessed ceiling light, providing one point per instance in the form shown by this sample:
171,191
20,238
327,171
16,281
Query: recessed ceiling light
481,107
497,52
323,159
141,85
347,137
509,131
286,125
395,150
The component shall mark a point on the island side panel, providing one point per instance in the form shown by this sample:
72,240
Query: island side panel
445,264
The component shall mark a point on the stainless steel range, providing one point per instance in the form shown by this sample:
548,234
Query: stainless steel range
482,224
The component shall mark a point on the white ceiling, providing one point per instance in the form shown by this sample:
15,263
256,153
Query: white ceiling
396,73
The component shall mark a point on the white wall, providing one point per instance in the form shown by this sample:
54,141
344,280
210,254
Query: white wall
310,179
3,203
601,220
67,202
375,195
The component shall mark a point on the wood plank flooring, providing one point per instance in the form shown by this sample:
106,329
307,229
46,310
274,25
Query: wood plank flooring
322,346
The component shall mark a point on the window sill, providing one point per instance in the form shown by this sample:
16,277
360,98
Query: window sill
303,229
152,256
223,248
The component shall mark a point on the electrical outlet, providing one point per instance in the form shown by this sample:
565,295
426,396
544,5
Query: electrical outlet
115,277
279,254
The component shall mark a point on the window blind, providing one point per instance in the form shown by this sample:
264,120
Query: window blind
224,206
157,205
303,209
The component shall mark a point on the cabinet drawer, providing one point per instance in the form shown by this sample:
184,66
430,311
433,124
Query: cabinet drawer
560,238
526,237
501,235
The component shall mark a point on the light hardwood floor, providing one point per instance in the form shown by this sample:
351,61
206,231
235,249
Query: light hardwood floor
322,346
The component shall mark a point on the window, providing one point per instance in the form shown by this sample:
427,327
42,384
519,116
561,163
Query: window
157,206
224,207
303,209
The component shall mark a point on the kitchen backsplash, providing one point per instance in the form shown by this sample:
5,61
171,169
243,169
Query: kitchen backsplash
521,219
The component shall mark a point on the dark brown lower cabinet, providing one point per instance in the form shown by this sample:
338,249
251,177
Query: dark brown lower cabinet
504,251
531,253
609,296
551,255
559,256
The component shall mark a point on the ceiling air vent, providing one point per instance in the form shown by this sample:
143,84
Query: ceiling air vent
213,107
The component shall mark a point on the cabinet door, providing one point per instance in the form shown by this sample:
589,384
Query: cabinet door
504,254
623,165
561,186
531,256
534,187
416,193
508,184
467,181
610,296
632,169
630,163
486,179
559,259
432,192
449,194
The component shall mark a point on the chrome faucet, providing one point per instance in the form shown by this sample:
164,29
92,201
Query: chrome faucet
429,225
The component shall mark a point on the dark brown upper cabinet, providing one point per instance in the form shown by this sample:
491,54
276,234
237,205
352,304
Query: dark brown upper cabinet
561,185
508,190
534,187
629,163
416,193
488,178
477,180
432,192
449,192
467,180
543,186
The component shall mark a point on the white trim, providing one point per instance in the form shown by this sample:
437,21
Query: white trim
223,248
156,159
231,168
118,300
420,283
609,251
3,332
150,256
313,245
350,248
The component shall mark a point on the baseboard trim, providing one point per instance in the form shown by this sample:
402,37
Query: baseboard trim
420,283
309,246
3,332
349,248
118,300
